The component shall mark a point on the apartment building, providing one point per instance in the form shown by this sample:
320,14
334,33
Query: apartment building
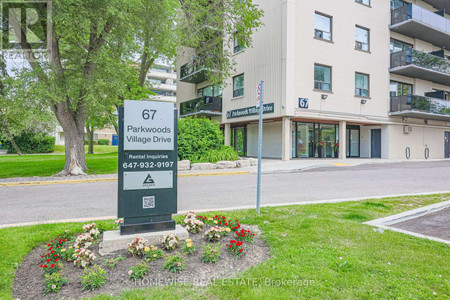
162,79
347,78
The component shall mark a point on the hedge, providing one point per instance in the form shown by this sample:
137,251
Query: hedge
103,142
30,142
197,136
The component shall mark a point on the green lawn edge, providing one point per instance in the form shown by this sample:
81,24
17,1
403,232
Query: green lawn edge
326,243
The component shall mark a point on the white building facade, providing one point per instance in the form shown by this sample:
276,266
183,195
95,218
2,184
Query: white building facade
162,80
358,78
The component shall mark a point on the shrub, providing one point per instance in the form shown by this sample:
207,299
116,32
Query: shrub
84,240
67,253
245,235
235,247
174,263
152,253
83,258
170,241
103,142
93,278
112,262
213,234
54,282
30,142
215,155
191,223
51,267
196,136
136,247
139,271
188,247
91,230
211,253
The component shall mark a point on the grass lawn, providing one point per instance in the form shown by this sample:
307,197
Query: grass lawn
104,162
324,244
98,149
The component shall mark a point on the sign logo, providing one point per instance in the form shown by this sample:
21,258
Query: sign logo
303,102
149,181
26,22
249,111
258,95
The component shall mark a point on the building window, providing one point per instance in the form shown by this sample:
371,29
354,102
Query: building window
322,26
400,89
211,91
361,85
397,4
362,39
397,46
365,2
238,44
322,78
238,86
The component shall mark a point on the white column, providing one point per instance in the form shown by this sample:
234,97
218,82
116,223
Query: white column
286,138
227,134
342,139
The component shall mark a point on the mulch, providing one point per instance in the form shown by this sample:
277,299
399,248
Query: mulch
29,279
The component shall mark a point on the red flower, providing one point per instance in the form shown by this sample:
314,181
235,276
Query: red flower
232,241
230,246
53,251
44,266
64,240
234,250
240,250
48,260
55,255
52,265
57,259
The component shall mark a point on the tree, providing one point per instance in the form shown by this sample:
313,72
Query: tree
19,111
90,49
210,26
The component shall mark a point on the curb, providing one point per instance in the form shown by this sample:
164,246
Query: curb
70,181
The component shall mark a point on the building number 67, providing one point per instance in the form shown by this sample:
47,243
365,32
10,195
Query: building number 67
148,113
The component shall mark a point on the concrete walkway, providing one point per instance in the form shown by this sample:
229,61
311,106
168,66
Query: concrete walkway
269,166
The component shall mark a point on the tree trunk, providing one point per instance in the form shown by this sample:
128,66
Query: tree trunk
90,132
73,127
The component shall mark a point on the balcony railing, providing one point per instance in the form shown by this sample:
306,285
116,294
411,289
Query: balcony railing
195,71
420,107
417,64
206,105
418,22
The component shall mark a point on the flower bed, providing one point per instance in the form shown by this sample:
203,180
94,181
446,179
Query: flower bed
82,272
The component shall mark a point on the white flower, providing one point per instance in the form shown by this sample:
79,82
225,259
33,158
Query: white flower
53,287
130,272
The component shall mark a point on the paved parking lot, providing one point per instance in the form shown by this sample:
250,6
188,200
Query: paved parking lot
435,224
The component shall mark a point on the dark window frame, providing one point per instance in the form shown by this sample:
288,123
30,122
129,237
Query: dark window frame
368,38
240,94
368,81
361,2
331,78
331,27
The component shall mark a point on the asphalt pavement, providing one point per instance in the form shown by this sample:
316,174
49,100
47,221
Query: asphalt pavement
39,203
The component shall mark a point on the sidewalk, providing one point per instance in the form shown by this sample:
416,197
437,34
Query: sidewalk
268,166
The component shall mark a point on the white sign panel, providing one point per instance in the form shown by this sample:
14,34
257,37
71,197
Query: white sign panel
258,95
147,180
148,125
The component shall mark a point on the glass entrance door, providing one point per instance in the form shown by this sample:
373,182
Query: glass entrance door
314,140
353,144
239,140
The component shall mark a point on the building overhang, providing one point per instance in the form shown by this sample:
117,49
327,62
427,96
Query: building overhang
420,115
439,4
195,77
417,29
422,73
202,113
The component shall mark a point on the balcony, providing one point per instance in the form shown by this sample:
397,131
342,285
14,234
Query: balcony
203,106
420,107
417,22
417,64
439,4
196,71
